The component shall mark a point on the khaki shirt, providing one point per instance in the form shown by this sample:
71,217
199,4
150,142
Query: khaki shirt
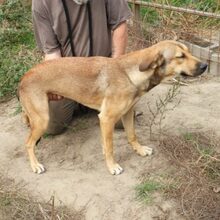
51,30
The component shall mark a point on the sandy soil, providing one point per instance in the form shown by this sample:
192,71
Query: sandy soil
76,172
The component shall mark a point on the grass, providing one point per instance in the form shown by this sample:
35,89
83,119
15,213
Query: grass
204,149
146,189
17,204
203,5
17,49
163,24
191,177
195,173
206,156
154,16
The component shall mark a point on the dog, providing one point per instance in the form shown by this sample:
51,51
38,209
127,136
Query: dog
110,85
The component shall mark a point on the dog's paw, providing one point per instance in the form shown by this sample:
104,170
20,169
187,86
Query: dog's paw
38,168
115,169
144,151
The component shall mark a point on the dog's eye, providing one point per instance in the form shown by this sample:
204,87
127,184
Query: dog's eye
182,55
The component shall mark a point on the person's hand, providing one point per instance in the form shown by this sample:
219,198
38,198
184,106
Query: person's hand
54,97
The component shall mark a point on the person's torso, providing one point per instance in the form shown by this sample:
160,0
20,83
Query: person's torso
79,19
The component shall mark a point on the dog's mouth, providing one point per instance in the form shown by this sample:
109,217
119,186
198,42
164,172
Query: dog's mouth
184,74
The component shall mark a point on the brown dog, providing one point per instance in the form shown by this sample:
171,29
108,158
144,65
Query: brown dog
112,86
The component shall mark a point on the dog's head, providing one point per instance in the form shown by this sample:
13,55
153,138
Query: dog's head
171,59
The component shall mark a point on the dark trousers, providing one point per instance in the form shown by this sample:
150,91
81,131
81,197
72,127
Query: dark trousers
61,115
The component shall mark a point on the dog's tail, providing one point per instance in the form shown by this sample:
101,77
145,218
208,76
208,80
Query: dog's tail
25,118
17,95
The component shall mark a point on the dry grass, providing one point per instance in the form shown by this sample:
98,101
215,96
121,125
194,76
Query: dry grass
158,24
195,174
17,204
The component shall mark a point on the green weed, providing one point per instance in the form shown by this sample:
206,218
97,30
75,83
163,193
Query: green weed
188,136
145,190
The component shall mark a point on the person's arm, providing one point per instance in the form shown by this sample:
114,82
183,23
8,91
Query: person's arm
119,40
118,12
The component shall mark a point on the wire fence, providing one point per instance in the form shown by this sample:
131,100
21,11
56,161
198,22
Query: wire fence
195,23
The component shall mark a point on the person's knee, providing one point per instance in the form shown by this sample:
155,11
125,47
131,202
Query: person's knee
55,129
61,114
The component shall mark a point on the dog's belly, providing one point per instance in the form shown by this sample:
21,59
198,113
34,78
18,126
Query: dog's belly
92,106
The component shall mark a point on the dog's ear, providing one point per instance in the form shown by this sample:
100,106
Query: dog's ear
168,53
157,59
151,62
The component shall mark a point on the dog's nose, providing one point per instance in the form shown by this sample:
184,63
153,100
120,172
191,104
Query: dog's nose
203,66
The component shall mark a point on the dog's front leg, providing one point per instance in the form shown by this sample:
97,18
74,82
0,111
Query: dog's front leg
128,122
107,127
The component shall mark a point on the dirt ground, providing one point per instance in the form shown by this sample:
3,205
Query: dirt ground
76,172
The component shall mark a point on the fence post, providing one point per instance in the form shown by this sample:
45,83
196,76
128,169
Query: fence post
137,16
136,10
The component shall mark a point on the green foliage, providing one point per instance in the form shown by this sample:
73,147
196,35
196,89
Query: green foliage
145,190
202,148
150,15
159,17
205,153
188,136
17,44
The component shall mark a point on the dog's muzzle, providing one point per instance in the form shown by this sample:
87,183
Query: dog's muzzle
200,69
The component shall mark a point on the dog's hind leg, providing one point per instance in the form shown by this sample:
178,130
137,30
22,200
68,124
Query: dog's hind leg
38,127
128,123
25,118
39,118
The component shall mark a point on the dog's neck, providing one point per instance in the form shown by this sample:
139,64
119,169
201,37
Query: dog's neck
139,79
155,79
143,80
